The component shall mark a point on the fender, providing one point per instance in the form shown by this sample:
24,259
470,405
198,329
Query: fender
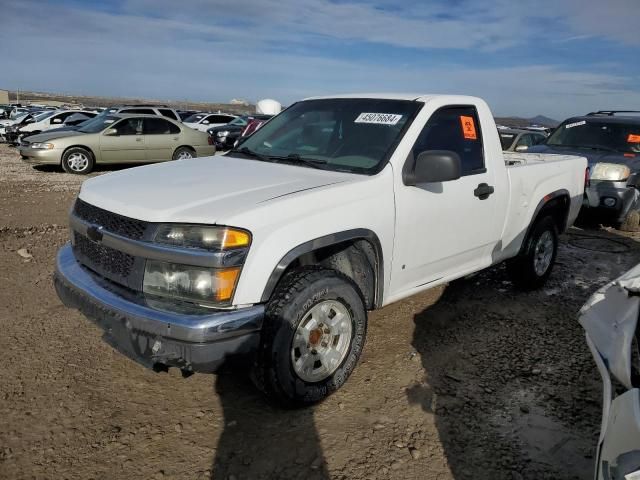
546,199
326,241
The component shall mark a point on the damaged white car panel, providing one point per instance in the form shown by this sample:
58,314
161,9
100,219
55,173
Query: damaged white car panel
610,319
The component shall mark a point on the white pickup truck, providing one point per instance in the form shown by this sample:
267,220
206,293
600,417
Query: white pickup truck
276,251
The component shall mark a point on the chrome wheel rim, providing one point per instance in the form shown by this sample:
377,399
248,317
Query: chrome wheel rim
543,253
184,155
322,341
78,162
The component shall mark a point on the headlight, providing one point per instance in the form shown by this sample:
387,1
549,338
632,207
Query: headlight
42,146
206,286
223,133
201,285
610,171
202,237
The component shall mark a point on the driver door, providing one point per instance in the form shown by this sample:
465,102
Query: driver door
445,229
126,145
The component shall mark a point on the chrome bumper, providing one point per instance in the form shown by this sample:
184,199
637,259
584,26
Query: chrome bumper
196,340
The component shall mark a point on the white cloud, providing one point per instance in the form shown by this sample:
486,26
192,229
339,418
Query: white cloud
186,50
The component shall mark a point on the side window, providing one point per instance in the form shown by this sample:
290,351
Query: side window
219,118
168,113
129,126
538,139
159,126
139,110
526,140
456,129
60,118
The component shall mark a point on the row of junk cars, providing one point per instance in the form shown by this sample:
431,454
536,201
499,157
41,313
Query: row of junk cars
78,139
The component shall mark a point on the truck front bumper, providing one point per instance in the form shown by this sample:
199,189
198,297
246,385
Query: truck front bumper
194,341
610,199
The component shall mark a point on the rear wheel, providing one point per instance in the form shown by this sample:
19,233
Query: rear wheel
531,268
314,333
183,153
631,222
77,160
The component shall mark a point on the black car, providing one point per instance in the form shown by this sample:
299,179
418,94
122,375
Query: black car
610,140
224,136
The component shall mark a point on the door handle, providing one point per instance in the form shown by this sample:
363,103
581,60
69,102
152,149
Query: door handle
138,139
483,191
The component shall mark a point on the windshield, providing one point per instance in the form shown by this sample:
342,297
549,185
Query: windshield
347,134
239,121
506,139
598,134
195,118
97,124
43,115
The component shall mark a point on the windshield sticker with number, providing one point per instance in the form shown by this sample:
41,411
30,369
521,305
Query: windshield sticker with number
576,124
468,128
378,118
633,138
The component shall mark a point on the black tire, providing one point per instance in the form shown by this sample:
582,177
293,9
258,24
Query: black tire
78,160
183,151
290,305
522,269
631,222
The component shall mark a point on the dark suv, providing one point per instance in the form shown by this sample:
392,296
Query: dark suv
611,142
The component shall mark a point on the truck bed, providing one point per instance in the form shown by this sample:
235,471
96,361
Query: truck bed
517,159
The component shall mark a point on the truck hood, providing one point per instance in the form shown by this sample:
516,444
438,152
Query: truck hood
592,156
201,190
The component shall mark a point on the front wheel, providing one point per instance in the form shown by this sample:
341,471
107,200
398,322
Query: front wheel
77,160
531,268
314,333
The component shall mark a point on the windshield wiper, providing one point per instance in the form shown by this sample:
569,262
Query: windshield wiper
250,153
295,158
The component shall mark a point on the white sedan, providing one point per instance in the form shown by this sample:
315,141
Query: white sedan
204,121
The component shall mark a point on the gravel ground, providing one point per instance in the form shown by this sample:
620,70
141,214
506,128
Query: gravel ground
470,381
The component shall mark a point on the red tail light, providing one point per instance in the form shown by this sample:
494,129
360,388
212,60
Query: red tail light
210,140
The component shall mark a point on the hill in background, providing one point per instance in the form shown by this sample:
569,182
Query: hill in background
525,122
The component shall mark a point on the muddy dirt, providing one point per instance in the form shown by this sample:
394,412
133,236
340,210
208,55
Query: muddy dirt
470,381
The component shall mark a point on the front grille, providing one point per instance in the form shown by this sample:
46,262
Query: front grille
112,222
104,260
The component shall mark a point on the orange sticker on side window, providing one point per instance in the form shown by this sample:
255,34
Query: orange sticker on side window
633,138
468,128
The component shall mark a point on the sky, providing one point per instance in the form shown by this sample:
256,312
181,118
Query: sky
553,57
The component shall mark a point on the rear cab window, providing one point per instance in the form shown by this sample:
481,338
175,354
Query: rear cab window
456,129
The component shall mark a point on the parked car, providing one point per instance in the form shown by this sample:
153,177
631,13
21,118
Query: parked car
277,250
160,110
10,132
184,114
52,119
611,142
225,136
204,121
610,319
122,138
519,140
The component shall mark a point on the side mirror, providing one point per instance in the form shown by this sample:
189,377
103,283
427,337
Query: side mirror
56,120
111,132
205,122
432,166
521,148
